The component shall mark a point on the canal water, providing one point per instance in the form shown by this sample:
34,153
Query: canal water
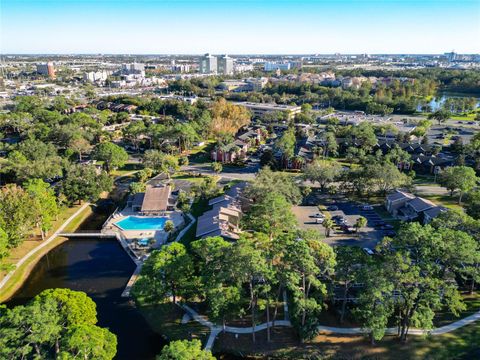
101,268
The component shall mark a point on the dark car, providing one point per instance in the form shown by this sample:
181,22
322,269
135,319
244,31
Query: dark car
390,233
332,208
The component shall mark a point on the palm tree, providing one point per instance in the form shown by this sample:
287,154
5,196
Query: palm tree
169,227
360,223
328,224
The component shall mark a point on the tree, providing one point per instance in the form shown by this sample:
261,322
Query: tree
34,159
222,292
322,172
185,350
251,269
161,162
328,225
58,322
227,117
112,155
80,146
374,308
137,187
217,167
472,204
45,208
307,266
286,144
133,132
413,265
331,145
167,272
16,218
349,260
440,115
84,182
90,342
460,178
4,245
267,182
169,227
271,215
360,223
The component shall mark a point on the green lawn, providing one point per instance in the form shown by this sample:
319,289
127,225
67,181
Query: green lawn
199,206
185,176
445,317
450,202
201,154
468,117
127,168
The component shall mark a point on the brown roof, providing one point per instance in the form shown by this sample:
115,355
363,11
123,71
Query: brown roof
156,198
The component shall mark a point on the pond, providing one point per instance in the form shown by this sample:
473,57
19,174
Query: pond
437,101
101,268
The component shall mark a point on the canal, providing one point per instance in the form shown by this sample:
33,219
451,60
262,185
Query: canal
101,268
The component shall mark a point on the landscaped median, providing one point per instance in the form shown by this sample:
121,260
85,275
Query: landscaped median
25,257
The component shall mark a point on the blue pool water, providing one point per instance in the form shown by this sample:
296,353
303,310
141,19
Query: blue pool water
142,223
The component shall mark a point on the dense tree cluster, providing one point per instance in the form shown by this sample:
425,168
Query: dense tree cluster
56,324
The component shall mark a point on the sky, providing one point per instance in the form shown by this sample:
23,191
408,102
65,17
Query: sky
239,26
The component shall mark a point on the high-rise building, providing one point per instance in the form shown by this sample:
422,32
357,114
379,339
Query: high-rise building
272,66
451,56
208,64
46,69
133,68
225,65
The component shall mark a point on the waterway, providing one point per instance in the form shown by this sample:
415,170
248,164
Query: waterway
101,268
437,101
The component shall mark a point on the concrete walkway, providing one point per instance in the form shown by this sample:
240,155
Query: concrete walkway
215,329
42,245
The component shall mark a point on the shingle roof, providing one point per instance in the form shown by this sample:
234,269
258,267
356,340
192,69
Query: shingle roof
156,198
420,204
435,211
399,195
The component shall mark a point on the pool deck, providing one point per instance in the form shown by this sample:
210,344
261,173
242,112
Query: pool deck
159,236
127,238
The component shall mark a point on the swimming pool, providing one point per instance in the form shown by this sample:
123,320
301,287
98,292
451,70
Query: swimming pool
141,223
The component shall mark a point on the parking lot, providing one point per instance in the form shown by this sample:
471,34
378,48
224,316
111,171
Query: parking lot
366,237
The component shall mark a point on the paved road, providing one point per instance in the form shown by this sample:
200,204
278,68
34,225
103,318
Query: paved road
246,173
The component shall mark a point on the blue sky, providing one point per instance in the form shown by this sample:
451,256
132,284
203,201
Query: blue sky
239,26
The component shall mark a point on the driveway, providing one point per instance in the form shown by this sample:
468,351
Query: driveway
367,237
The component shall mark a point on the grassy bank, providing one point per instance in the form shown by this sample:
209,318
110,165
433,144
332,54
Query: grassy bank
22,272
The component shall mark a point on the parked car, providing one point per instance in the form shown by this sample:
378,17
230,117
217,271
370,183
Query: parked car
332,208
318,215
367,207
368,251
319,220
390,233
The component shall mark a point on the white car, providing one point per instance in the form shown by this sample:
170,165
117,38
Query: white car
318,216
367,207
368,251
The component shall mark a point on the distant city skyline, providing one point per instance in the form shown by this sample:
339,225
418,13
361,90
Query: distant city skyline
239,27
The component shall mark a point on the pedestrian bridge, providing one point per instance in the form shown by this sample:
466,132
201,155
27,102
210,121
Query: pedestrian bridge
84,234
